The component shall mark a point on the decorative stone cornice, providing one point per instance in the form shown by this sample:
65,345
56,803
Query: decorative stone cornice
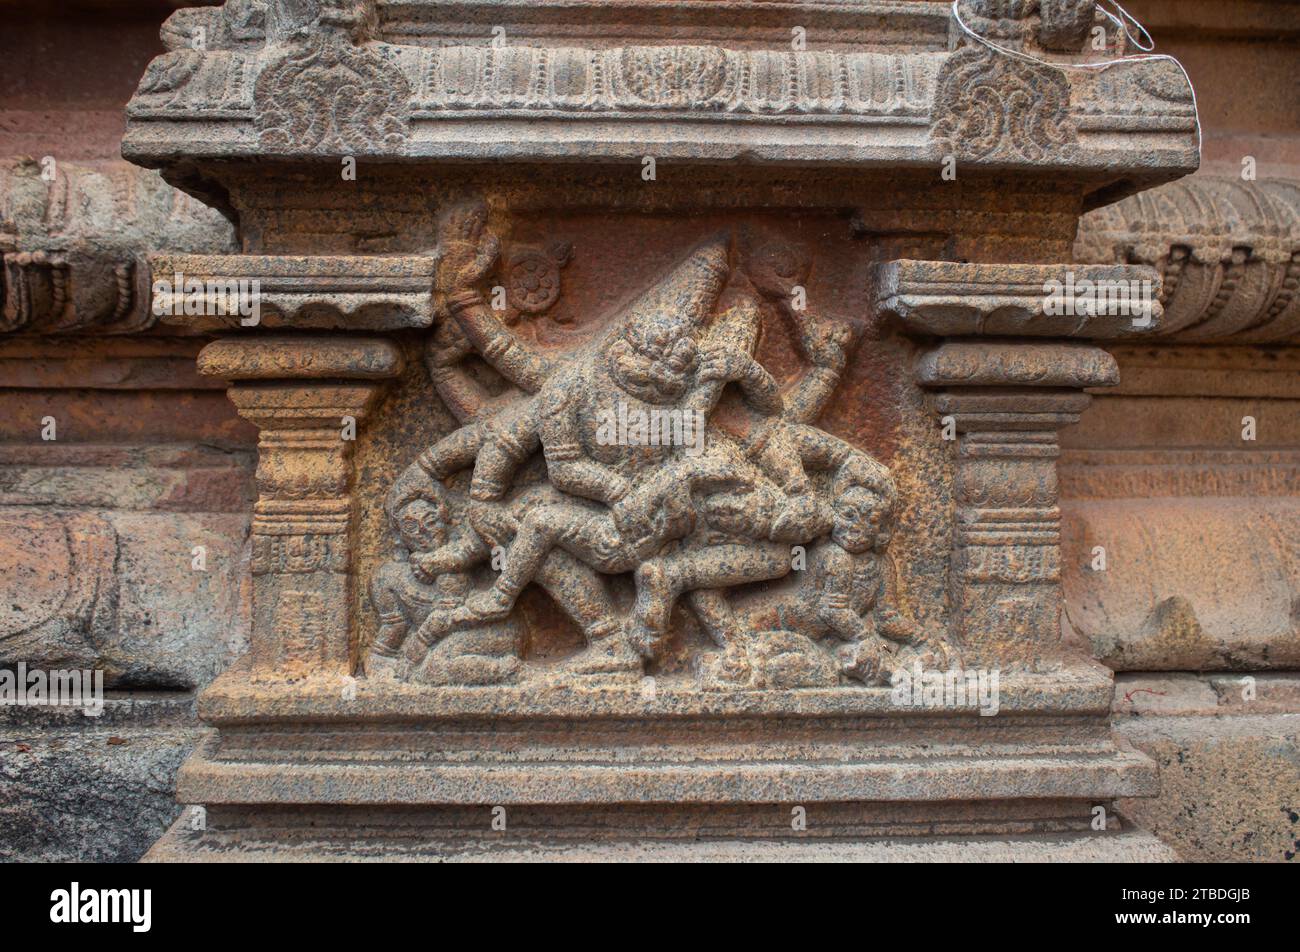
398,90
1228,252
303,291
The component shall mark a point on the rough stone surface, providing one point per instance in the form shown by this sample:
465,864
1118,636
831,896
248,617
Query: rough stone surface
1229,766
453,591
77,788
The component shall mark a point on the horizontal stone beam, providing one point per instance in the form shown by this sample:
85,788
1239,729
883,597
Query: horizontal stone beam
272,358
952,299
212,292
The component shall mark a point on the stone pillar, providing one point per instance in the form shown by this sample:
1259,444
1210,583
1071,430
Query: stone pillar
1006,379
1003,404
309,397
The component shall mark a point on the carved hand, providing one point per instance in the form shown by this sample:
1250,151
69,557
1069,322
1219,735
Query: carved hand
449,345
424,566
828,343
864,660
631,518
803,518
726,365
466,249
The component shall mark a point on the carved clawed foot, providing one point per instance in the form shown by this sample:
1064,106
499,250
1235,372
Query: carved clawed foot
384,667
490,605
868,660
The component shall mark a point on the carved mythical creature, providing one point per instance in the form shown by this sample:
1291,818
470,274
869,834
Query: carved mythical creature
566,505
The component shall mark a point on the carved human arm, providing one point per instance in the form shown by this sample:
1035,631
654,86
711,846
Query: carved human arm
760,389
465,550
447,347
817,449
778,272
451,454
826,346
567,463
467,250
891,622
435,625
498,346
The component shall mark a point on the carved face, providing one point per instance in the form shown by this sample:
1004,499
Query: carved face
423,526
862,520
654,368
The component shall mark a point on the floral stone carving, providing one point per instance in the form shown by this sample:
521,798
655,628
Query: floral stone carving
989,105
328,96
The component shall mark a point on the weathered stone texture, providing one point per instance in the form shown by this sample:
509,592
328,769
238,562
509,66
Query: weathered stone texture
83,789
431,577
1228,747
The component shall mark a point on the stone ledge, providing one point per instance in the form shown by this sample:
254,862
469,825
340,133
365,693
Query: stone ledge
950,299
233,699
306,291
183,845
1228,747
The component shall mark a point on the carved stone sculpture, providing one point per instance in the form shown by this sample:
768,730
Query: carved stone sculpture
667,533
686,506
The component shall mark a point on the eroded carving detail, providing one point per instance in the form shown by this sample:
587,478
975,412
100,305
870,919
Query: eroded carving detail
59,597
990,105
326,95
610,463
73,241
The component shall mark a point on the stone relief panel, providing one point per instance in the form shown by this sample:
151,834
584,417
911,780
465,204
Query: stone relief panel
652,477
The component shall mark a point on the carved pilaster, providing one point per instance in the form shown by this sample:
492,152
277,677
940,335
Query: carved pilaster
1004,404
309,397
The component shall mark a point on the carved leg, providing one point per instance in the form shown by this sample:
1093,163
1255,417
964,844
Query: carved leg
454,452
661,581
510,438
580,592
539,533
714,614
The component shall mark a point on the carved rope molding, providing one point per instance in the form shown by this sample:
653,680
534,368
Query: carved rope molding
1228,253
